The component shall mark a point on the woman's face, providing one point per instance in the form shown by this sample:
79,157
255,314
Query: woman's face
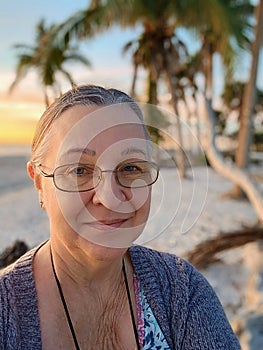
109,214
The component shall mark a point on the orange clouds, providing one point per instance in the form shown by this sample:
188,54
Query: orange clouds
16,131
18,120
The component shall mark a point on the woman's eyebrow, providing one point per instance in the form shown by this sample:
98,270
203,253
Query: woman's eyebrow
130,150
88,151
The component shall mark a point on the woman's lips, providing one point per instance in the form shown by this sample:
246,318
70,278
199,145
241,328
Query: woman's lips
107,225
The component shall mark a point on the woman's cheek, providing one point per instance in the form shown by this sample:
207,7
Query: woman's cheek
73,207
141,198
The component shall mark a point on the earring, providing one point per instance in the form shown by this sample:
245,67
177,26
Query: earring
41,204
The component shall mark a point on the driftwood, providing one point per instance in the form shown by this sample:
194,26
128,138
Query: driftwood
206,252
231,171
12,253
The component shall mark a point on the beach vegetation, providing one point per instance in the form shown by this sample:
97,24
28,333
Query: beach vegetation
47,57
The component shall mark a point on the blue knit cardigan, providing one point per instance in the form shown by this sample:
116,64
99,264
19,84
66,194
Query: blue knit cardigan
184,304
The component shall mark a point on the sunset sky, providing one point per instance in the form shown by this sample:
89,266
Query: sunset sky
20,110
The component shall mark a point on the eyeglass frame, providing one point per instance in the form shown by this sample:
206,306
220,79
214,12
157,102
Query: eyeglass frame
115,171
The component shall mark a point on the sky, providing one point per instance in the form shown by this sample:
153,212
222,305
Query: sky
18,18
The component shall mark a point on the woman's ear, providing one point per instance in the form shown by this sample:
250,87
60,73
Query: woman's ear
31,170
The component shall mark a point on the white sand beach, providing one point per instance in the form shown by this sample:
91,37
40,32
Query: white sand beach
238,281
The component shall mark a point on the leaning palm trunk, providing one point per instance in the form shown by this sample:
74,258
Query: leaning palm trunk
47,103
190,141
153,77
238,176
180,158
134,80
197,117
249,97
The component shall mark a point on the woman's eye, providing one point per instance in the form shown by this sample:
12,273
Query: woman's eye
81,170
130,168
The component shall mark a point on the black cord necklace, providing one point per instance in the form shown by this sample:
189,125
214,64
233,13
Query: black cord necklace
63,300
130,305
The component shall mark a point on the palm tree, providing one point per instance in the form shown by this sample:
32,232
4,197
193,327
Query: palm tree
145,54
224,27
244,98
233,37
154,50
216,22
249,98
47,57
240,175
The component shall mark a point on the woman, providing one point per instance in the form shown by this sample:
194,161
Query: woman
88,287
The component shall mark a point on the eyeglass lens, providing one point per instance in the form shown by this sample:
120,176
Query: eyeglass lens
84,177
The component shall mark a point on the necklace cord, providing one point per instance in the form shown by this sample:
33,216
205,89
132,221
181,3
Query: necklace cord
64,304
130,305
67,311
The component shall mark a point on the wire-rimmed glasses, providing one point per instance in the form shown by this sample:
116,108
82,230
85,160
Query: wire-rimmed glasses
82,177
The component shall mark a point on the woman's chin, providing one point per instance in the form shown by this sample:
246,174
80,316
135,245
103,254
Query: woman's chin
109,236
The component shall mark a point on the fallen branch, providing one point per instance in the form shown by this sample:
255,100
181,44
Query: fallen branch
206,252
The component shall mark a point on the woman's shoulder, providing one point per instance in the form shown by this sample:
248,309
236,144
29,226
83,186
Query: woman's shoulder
145,257
18,309
20,265
19,275
167,272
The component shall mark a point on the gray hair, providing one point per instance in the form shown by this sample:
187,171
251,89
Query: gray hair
86,95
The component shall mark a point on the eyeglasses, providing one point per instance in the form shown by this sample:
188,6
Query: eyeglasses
78,177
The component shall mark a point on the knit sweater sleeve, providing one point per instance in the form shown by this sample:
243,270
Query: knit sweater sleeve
2,314
206,325
8,319
184,304
19,322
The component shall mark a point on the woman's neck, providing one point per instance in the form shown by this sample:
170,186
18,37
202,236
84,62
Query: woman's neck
87,265
96,297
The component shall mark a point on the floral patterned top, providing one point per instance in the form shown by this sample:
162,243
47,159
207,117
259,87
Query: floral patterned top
149,332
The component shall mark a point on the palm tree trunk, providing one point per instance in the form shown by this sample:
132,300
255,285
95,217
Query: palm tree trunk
249,97
152,87
231,172
180,158
208,69
46,97
197,116
191,143
134,80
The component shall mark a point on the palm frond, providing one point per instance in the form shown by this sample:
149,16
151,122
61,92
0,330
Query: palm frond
77,58
23,66
47,57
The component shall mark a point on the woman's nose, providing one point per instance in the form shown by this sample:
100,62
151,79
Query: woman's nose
110,194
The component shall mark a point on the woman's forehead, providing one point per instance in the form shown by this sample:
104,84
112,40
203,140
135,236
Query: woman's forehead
97,129
95,119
